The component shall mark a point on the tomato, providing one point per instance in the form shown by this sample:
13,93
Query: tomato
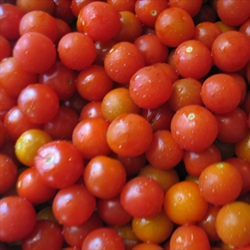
148,11
39,21
74,235
123,5
221,93
17,218
184,204
38,102
231,51
165,177
155,229
186,91
73,205
150,86
10,16
191,7
206,32
174,26
106,22
195,162
192,59
232,126
13,78
89,137
101,170
103,238
129,135
239,12
29,184
147,246
29,5
111,211
93,83
242,147
63,11
236,231
28,143
152,49
76,50
62,125
131,27
142,197
215,183
194,128
34,52
189,237
46,234
8,173
164,152
116,102
244,28
91,110
61,79
208,222
122,61
59,163
6,48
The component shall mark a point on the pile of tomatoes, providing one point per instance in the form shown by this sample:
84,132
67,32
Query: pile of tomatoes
124,124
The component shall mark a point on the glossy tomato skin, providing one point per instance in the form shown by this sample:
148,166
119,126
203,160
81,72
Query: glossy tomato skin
101,170
73,205
59,163
129,135
142,197
6,48
46,234
103,238
38,102
215,183
231,51
17,218
234,232
169,21
150,86
34,52
8,173
189,237
106,22
194,128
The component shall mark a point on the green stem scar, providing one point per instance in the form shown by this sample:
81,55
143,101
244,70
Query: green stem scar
153,12
189,49
191,116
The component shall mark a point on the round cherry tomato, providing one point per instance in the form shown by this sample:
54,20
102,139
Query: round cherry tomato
104,177
215,183
242,147
103,238
17,218
142,197
236,231
129,135
59,163
34,52
73,205
194,128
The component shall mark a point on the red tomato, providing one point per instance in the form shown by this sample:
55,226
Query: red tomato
59,164
194,128
129,135
34,52
103,238
192,59
142,197
6,49
73,205
150,86
46,234
215,183
17,218
100,21
174,26
38,102
189,237
101,170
